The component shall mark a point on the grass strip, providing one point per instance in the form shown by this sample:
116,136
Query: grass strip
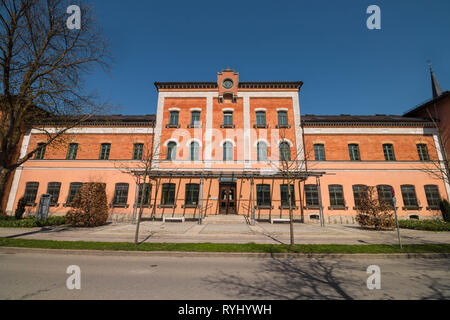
226,247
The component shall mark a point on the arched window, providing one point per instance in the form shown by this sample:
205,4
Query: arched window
194,147
171,150
262,151
228,151
285,152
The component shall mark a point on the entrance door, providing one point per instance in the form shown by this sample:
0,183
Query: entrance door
227,199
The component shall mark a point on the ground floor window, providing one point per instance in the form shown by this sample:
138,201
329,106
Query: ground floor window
31,189
311,195
73,190
285,195
53,190
168,194
409,196
433,196
148,189
360,192
385,194
121,194
336,195
263,195
191,196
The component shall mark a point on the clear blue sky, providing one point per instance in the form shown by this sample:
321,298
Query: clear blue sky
345,67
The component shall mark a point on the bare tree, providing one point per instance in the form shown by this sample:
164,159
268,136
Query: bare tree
292,166
42,65
142,174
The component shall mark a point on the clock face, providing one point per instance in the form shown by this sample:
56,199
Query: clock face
227,83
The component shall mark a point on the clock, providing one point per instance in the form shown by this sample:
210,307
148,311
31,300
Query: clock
227,83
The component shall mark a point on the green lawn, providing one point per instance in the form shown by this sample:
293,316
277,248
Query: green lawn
226,247
428,225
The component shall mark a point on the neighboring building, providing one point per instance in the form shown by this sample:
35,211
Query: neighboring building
218,149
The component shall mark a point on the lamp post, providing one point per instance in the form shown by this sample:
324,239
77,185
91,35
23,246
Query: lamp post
394,201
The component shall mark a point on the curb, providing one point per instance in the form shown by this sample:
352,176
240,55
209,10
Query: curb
13,250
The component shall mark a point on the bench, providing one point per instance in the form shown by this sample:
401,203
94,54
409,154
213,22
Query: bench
272,220
180,219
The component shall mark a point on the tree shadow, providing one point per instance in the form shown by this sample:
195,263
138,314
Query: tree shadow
287,279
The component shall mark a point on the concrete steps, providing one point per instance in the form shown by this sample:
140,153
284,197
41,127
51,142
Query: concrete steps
225,219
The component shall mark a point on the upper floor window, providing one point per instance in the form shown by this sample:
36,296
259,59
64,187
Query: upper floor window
228,154
262,151
191,194
168,194
73,190
260,118
194,151
40,151
31,189
53,189
409,196
319,152
263,195
282,119
173,118
228,118
360,192
433,196
72,151
171,150
147,189
285,151
353,150
195,118
388,150
285,195
138,150
422,150
385,194
121,194
104,151
336,195
311,195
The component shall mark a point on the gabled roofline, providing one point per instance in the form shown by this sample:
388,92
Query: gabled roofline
426,104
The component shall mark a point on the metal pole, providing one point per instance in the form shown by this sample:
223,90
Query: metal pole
322,219
252,184
200,215
394,201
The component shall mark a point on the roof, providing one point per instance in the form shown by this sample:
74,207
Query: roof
112,120
426,104
241,85
352,120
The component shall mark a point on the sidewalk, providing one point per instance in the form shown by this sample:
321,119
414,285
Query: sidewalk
262,232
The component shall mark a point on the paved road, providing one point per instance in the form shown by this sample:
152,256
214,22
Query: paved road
43,276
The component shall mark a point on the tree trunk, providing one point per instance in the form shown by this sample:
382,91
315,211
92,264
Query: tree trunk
4,175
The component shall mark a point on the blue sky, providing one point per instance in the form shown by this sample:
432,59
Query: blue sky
345,67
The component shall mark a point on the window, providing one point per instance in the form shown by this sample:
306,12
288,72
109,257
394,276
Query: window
282,119
40,151
121,194
228,118
168,194
195,118
228,151
388,150
262,151
263,195
194,151
104,151
433,196
173,118
353,150
359,192
260,118
31,190
285,152
319,152
385,194
285,195
72,151
191,196
423,152
138,150
409,196
147,193
53,189
336,195
311,195
171,150
73,190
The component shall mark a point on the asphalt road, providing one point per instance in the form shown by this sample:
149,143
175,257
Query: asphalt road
43,276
